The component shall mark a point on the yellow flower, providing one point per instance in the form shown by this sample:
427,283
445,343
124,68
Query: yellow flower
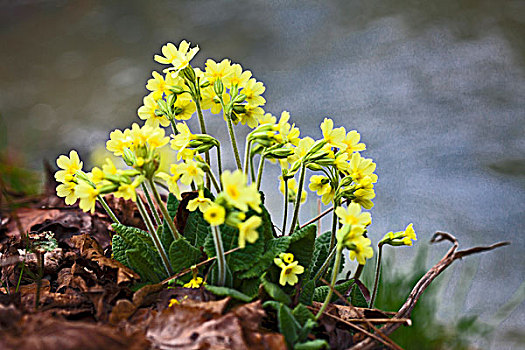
352,144
335,137
182,139
88,196
348,233
179,58
353,216
69,165
67,190
200,202
341,162
361,250
172,183
215,215
147,112
253,91
287,257
302,148
195,282
251,116
400,238
319,184
186,106
361,167
248,230
119,140
252,197
328,196
216,70
109,167
289,273
237,77
267,118
97,175
173,302
190,171
154,136
126,191
363,197
158,86
234,184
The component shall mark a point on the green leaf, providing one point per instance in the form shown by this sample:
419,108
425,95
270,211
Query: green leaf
288,325
357,298
317,344
142,266
197,229
249,286
307,293
183,255
305,330
266,229
275,292
320,293
120,247
321,251
273,248
302,244
302,314
242,259
224,291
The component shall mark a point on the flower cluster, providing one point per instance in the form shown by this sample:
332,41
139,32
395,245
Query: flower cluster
289,269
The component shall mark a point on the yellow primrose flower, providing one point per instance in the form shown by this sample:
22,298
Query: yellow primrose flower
328,196
348,233
237,77
252,197
361,250
187,107
248,230
352,215
352,144
319,184
267,118
195,282
119,140
363,197
253,91
154,136
158,86
179,58
186,154
109,167
182,139
302,148
88,196
126,191
200,202
251,116
287,257
147,112
289,273
67,190
335,137
361,167
173,302
171,180
190,171
234,185
215,215
400,238
69,166
341,162
216,70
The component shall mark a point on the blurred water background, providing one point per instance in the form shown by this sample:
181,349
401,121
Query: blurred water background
436,88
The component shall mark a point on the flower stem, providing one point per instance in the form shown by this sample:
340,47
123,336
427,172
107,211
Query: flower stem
108,209
259,172
325,264
285,216
378,272
234,143
334,227
332,282
213,179
219,164
221,260
247,156
203,131
298,199
151,206
153,234
164,211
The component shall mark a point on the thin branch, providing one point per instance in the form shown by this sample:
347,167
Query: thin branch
405,310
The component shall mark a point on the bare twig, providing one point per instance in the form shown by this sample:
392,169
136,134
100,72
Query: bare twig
405,310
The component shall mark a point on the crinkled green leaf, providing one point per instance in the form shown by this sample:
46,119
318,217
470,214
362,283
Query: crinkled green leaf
224,291
288,325
275,292
302,244
183,255
307,293
357,298
320,293
249,286
317,344
142,266
302,314
165,235
273,248
120,247
197,229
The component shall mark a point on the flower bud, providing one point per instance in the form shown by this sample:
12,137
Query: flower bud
239,98
128,156
177,89
189,74
218,87
239,109
314,167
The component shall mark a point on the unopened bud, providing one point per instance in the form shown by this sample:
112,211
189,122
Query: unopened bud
218,87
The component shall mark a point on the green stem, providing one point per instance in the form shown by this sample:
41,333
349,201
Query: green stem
203,131
259,172
247,156
378,272
164,211
285,216
213,179
221,260
358,271
252,170
233,141
173,126
332,282
20,277
151,206
298,199
153,234
219,164
334,226
108,209
325,264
